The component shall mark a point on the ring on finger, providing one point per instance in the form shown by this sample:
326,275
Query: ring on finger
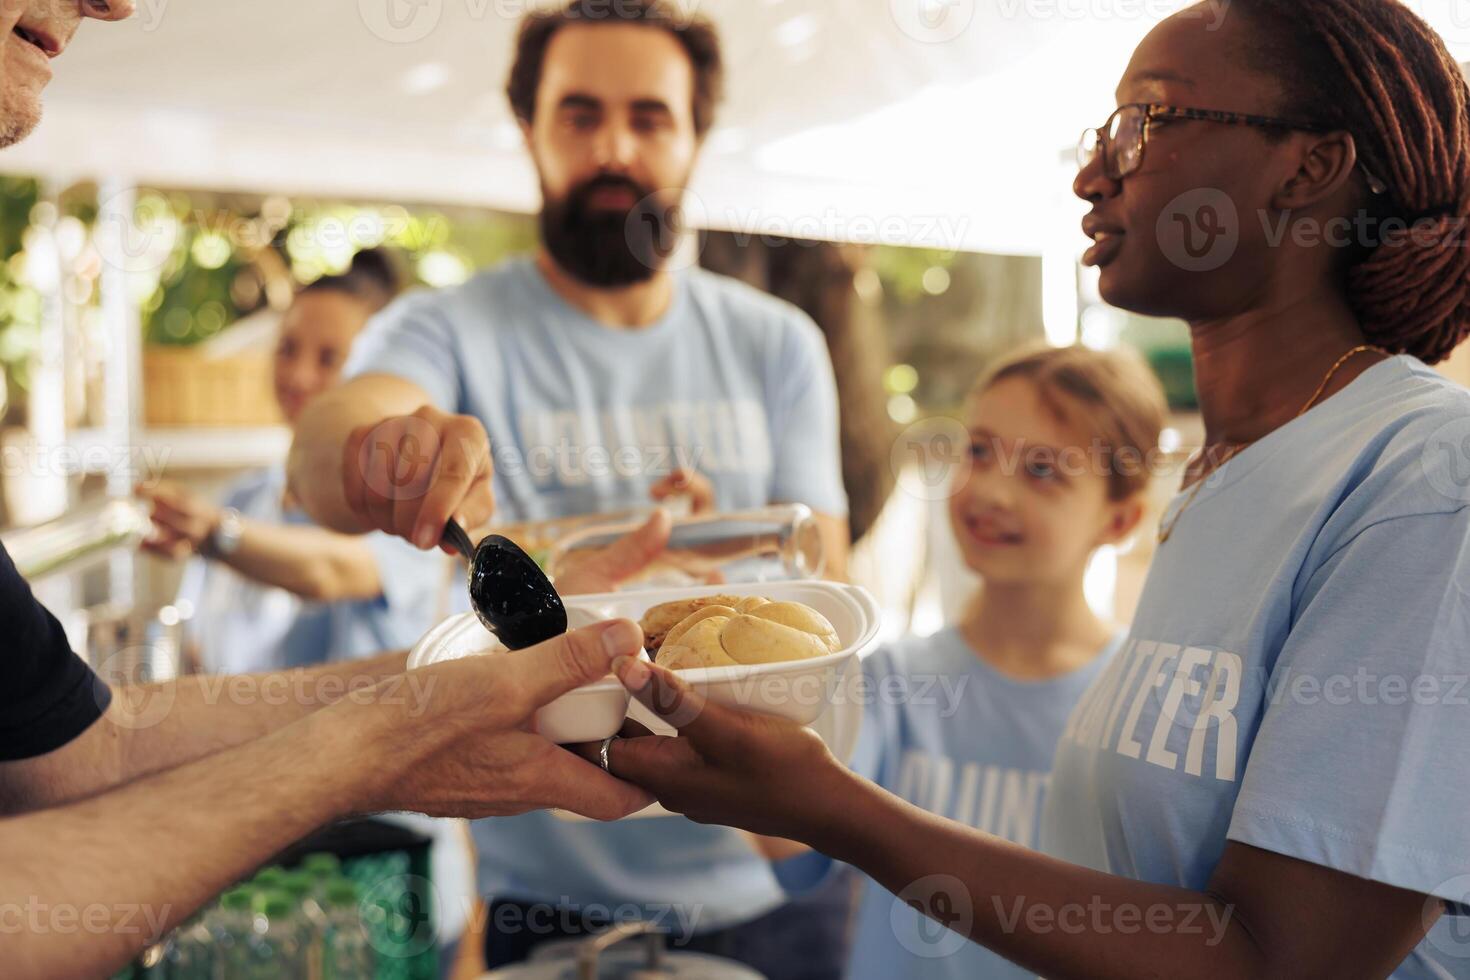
602,754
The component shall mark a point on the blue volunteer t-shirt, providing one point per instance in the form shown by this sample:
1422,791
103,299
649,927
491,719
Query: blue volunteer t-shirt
950,734
1296,675
584,418
242,626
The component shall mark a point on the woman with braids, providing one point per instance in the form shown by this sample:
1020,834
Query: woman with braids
1271,779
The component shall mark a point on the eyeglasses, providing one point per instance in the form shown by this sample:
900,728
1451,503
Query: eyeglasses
1124,137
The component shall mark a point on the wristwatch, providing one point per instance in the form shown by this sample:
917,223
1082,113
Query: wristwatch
225,538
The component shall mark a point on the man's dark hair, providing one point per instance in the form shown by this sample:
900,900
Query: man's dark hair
700,40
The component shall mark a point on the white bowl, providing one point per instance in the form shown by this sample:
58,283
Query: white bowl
588,714
801,690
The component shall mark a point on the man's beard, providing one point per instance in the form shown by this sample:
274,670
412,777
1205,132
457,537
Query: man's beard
611,248
20,114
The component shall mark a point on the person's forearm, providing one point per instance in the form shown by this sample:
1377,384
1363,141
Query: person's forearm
155,727
314,467
1059,919
316,565
88,886
209,713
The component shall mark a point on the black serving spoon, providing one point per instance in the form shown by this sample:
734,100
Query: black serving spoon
509,592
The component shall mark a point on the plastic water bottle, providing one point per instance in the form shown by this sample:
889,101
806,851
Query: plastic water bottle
311,918
346,953
273,950
269,878
190,956
322,867
231,926
302,888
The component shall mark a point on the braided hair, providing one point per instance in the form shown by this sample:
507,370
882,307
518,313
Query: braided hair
1376,70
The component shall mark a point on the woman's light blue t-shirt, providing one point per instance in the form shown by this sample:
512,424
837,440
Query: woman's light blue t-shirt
950,734
584,418
1297,677
245,627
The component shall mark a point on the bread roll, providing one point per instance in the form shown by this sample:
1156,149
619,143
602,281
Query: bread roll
748,631
801,617
698,646
673,636
657,621
752,640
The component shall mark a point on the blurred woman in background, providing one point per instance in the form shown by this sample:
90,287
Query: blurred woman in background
269,589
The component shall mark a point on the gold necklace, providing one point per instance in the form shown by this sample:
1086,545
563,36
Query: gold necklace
1166,530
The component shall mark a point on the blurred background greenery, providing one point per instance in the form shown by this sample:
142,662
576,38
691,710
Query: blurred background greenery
201,261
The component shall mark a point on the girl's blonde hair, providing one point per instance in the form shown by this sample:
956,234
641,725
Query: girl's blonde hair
1112,393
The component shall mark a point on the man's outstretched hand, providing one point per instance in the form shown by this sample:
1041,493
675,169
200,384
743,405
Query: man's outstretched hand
461,741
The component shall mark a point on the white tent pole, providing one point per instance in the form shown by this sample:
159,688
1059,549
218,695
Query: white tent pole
123,370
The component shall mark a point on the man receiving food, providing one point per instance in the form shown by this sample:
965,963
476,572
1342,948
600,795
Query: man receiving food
127,810
586,379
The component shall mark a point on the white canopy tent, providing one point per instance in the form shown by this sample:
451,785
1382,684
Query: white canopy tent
940,122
